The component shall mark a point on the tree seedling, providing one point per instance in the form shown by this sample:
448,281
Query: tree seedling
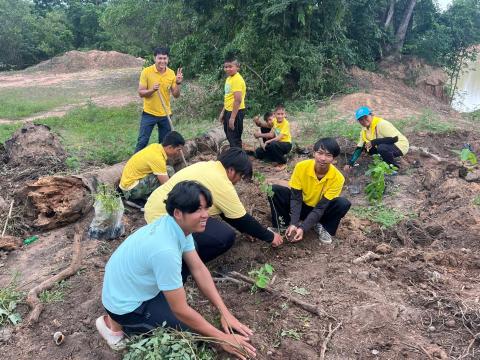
377,171
262,277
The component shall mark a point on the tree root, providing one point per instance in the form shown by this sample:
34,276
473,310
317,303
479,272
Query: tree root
32,298
314,309
327,339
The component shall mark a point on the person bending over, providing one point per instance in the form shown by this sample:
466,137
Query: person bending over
378,136
313,199
146,170
142,286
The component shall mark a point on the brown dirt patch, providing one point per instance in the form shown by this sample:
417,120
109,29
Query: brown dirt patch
74,61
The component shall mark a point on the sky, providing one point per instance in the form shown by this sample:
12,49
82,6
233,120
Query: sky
444,4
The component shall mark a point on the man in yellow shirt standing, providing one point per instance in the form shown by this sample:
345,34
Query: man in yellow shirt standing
234,103
313,199
378,136
219,177
278,141
157,81
147,169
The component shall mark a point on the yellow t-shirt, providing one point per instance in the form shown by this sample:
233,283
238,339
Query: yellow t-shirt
233,84
151,159
282,128
210,174
304,179
167,81
384,129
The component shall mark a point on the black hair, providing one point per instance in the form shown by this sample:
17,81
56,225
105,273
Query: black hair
231,57
237,159
327,144
174,139
161,50
267,115
279,106
185,196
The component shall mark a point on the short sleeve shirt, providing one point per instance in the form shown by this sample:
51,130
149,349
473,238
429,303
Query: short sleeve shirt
150,160
210,174
304,179
282,128
234,84
167,80
147,262
386,129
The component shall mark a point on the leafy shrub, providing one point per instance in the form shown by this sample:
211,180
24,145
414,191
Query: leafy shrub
377,170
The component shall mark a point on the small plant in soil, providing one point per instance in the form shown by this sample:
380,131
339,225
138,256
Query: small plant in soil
476,200
262,277
384,216
9,299
291,333
377,170
108,197
267,190
164,343
57,294
468,157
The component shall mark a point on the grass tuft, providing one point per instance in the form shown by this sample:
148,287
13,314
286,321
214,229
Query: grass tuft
9,299
384,216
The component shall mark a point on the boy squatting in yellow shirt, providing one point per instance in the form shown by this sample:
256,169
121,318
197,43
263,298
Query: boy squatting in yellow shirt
313,199
147,169
233,110
378,136
219,177
277,140
155,80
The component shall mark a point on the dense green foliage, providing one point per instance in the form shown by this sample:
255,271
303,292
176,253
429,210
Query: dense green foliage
377,170
289,49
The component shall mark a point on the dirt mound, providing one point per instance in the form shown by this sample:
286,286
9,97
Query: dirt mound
75,61
32,143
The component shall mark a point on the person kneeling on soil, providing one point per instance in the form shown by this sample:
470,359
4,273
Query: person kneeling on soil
147,169
313,199
219,177
143,289
378,136
277,140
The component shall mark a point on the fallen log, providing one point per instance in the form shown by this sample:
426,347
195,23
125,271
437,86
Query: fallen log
32,298
55,201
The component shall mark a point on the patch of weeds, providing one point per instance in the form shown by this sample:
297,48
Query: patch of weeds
261,276
291,333
73,163
384,216
165,343
476,200
377,170
57,294
9,299
429,122
300,290
7,130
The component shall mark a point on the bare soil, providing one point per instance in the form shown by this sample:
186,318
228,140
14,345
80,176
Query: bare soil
419,299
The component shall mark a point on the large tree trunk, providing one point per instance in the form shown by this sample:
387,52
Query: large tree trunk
402,29
59,200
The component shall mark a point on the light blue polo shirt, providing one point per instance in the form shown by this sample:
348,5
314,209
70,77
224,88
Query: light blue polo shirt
147,262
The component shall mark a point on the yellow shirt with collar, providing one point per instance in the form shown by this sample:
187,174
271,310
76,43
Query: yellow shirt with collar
385,129
304,179
150,160
282,128
166,80
210,174
233,84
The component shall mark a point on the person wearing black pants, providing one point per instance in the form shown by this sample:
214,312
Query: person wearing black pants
274,151
234,136
313,199
386,149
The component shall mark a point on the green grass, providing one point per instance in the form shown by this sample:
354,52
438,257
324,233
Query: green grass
108,135
57,294
6,131
9,299
384,216
425,122
476,200
21,102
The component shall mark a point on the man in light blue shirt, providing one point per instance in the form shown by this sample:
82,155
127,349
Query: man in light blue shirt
143,286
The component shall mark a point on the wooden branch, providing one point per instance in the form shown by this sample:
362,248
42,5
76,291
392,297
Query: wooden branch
427,153
327,339
314,309
32,299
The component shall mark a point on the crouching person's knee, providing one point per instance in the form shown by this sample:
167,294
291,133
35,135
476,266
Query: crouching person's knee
228,239
343,205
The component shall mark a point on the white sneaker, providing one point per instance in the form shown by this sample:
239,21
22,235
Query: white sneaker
323,235
114,339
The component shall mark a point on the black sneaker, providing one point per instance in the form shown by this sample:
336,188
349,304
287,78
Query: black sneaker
136,203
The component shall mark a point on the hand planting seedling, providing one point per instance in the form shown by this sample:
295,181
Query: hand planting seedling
262,277
377,171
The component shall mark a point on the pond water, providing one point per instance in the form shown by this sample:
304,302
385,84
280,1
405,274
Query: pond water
467,97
